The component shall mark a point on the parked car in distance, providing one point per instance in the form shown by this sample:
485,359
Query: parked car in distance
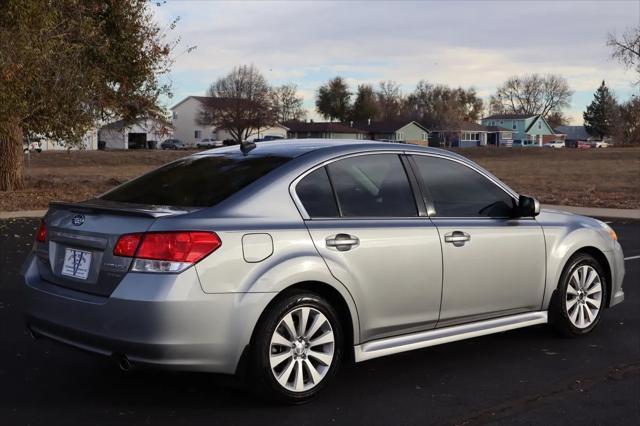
173,144
31,146
600,144
268,138
584,145
284,260
554,144
209,143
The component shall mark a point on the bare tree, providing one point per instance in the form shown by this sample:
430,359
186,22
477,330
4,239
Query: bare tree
286,103
626,49
532,94
440,106
240,103
389,99
557,119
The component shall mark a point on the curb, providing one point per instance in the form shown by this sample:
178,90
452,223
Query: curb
584,211
22,214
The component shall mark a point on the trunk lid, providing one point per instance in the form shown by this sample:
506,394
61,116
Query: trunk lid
78,253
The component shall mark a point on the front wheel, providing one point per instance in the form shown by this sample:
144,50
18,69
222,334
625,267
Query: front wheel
580,297
297,348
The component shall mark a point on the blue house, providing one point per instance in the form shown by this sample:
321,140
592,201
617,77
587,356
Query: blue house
527,129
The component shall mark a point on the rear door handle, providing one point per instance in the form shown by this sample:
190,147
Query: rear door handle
457,238
342,242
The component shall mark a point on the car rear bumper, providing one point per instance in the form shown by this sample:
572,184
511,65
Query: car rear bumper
160,320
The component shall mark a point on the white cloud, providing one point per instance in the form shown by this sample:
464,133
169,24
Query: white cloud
477,44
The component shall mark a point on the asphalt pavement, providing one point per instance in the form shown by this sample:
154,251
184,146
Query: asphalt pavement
526,376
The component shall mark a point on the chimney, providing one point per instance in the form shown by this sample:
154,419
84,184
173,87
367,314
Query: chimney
368,122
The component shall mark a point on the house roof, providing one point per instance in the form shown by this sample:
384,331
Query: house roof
509,116
121,124
385,126
212,101
323,127
465,126
573,132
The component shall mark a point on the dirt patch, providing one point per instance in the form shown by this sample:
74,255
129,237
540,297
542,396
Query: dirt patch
608,177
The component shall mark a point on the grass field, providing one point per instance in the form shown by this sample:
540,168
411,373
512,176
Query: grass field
607,177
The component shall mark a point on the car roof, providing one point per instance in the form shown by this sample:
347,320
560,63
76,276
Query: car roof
294,148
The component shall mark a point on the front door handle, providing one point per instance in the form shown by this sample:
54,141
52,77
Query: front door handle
342,242
457,238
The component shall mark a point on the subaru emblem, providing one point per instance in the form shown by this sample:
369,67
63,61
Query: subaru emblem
77,220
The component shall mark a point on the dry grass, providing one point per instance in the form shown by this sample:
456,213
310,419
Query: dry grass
597,178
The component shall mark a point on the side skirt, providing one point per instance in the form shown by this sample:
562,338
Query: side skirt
424,339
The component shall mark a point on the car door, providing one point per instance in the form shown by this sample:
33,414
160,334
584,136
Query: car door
493,264
362,215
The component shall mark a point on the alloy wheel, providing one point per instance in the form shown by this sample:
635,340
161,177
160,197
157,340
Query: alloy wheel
301,349
583,298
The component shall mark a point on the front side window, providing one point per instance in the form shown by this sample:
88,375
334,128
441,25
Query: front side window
459,191
373,185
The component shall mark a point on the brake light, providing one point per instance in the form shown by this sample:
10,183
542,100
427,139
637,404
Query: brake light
178,246
127,245
41,235
166,251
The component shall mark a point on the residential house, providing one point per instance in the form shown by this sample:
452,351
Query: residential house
466,134
88,142
322,130
527,129
186,115
123,135
394,131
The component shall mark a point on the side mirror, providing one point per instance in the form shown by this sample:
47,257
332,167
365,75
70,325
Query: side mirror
527,207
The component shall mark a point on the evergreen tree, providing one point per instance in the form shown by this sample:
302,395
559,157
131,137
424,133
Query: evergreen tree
333,100
600,114
365,106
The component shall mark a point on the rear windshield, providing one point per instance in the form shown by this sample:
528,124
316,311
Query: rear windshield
195,181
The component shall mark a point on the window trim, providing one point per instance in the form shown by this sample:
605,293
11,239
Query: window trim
429,200
306,216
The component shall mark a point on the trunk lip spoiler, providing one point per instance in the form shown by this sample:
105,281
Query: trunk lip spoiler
98,206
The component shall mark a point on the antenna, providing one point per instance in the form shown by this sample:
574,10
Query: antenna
246,147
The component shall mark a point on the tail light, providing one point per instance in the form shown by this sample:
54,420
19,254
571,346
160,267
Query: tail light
41,235
166,251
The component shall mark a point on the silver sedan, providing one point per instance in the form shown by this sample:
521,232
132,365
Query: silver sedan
282,260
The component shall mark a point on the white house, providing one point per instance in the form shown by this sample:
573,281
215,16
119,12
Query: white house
89,142
119,135
186,113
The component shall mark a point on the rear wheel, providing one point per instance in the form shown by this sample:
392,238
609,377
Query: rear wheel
297,348
580,297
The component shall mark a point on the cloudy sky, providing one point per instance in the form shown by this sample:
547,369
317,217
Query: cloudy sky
460,43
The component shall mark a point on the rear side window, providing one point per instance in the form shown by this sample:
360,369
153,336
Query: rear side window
372,186
316,194
200,181
459,191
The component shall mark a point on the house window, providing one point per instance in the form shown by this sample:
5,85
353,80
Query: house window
424,136
539,125
514,126
175,115
197,134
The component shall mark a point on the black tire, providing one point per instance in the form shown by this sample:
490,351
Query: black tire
261,379
559,315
